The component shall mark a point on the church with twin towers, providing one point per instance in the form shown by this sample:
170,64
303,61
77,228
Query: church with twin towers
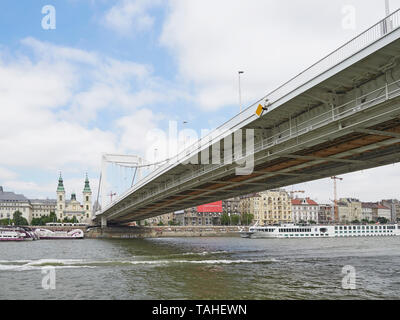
69,208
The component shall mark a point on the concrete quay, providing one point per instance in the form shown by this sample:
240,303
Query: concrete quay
161,232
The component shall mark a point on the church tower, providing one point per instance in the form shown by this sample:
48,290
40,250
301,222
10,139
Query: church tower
87,199
60,199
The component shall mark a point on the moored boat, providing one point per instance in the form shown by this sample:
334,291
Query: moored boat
45,234
290,231
16,234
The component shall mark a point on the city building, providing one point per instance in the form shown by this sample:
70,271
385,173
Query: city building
349,210
269,207
11,202
368,211
42,208
383,212
205,215
231,206
394,206
246,203
325,214
164,220
305,210
73,208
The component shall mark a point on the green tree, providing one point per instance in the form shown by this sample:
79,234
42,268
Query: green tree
5,222
235,220
73,220
19,220
382,220
247,219
225,219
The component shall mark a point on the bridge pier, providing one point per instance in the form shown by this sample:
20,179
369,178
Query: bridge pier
103,222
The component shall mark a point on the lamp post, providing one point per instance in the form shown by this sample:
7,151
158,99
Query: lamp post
184,123
240,91
387,7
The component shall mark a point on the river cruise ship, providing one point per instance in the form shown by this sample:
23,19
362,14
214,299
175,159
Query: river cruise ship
45,234
17,234
290,231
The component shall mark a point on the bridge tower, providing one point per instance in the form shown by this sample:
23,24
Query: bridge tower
127,161
87,199
60,198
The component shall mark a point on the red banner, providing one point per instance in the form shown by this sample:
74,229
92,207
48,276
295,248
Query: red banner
215,207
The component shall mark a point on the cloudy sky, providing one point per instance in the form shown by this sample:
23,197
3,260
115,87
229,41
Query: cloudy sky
114,71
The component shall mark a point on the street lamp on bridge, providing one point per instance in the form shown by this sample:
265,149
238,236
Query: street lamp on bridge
240,92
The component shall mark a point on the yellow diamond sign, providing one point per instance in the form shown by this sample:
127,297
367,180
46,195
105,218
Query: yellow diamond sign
260,110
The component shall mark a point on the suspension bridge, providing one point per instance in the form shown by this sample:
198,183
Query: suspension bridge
338,116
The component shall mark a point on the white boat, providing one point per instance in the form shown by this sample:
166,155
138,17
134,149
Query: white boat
17,234
45,234
289,231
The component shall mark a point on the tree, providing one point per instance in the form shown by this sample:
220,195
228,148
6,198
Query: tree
4,222
313,222
247,219
355,222
225,219
382,220
19,220
235,219
73,220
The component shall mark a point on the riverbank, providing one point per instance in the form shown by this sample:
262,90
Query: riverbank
161,232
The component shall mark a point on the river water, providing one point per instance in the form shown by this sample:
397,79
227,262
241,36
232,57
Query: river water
200,268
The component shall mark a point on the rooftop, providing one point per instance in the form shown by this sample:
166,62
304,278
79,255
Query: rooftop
11,196
306,201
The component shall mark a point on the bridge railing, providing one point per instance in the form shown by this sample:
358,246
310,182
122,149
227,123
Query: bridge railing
363,40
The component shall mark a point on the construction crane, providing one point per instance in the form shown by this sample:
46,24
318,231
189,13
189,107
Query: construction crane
336,211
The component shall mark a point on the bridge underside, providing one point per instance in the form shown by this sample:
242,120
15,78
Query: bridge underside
349,120
353,152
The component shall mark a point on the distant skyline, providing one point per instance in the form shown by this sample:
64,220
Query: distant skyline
111,72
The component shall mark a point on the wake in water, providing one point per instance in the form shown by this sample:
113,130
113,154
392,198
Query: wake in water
26,265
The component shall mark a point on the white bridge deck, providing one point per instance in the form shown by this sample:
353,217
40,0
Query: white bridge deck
338,116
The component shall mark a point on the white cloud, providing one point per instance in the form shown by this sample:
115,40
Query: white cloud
270,40
48,101
129,16
7,174
135,128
